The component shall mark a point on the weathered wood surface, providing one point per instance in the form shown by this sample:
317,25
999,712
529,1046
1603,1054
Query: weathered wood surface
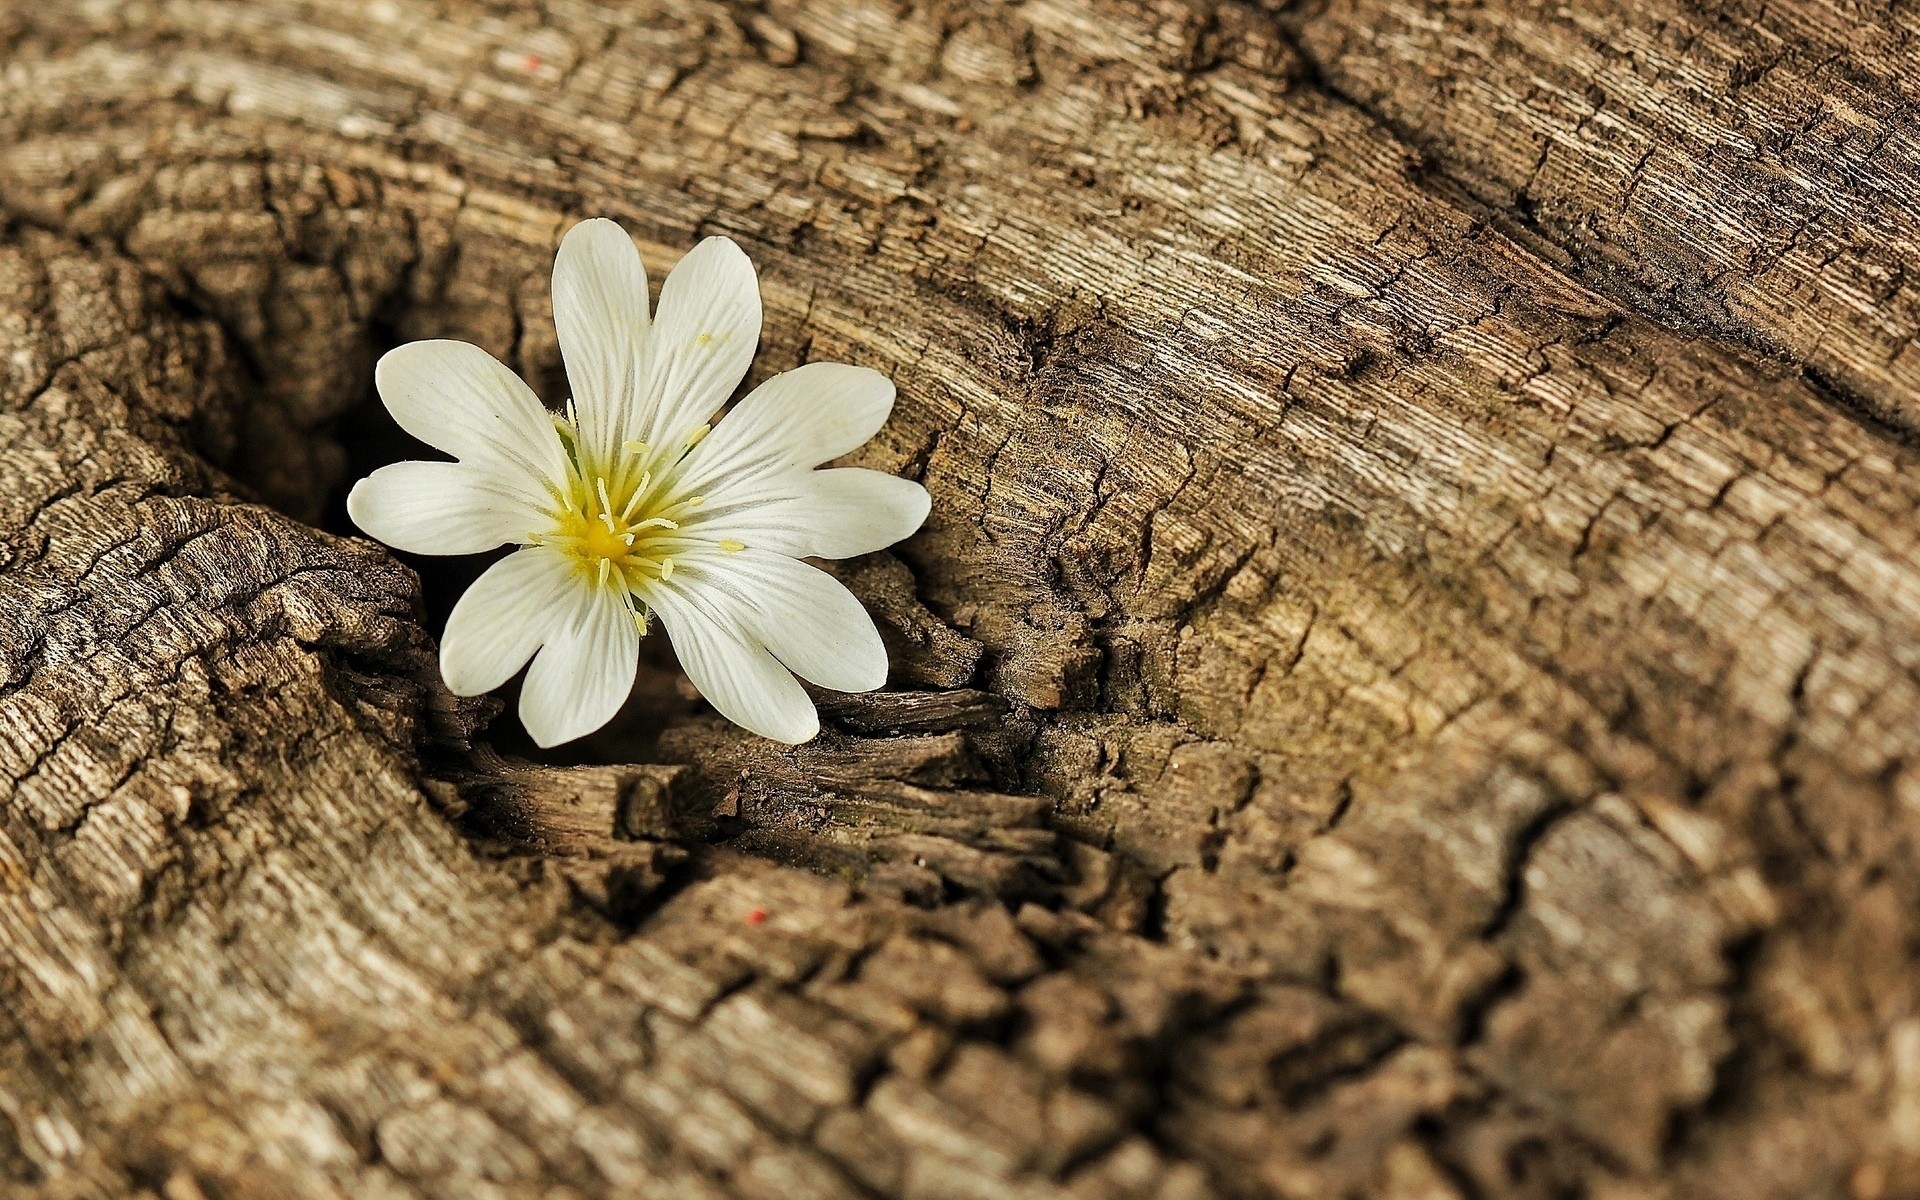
1408,691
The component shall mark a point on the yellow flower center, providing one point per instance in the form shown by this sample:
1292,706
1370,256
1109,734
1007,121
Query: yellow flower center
599,541
618,521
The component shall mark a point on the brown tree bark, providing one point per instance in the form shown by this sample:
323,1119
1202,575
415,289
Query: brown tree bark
1408,689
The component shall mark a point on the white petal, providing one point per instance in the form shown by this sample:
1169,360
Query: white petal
440,508
800,613
585,672
502,619
835,513
460,399
801,418
702,340
600,310
733,671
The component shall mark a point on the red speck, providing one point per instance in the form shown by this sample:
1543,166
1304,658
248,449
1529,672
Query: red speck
756,916
532,63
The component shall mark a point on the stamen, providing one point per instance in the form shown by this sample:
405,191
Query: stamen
657,523
636,446
640,622
627,538
666,569
606,568
640,489
694,501
731,546
693,439
606,506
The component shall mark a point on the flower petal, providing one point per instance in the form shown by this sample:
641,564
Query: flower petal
600,310
440,508
585,672
502,619
836,513
801,614
460,399
800,418
702,341
733,671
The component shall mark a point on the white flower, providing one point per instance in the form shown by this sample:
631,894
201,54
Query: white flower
628,506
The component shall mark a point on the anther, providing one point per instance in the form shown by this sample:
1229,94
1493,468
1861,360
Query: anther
731,546
666,569
606,568
693,439
636,446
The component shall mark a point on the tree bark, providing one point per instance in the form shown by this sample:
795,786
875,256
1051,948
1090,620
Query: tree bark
1408,689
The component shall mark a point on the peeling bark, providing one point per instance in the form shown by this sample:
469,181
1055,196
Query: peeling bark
1407,690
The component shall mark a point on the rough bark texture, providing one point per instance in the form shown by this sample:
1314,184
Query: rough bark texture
1408,690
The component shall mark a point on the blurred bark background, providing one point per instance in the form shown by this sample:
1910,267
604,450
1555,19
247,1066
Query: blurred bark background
1408,690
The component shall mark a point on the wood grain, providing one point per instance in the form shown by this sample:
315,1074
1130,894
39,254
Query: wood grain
1407,691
